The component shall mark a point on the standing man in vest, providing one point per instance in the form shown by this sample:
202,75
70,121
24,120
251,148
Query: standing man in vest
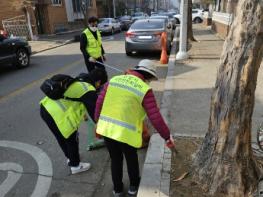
63,116
91,45
120,110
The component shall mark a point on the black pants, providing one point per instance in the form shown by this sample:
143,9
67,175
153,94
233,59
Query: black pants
92,65
117,150
69,146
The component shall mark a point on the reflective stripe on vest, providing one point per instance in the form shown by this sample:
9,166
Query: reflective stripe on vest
94,46
68,114
122,113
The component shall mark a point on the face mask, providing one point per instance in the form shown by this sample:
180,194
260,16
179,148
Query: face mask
93,29
147,81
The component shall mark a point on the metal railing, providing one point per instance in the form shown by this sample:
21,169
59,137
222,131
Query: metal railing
17,26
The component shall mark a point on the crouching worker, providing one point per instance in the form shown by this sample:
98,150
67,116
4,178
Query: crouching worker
63,116
120,110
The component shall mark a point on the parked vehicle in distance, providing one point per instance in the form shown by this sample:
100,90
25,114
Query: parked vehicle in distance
109,25
14,51
125,22
169,23
139,15
170,17
4,33
197,16
145,35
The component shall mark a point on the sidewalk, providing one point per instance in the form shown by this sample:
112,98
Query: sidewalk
186,106
46,42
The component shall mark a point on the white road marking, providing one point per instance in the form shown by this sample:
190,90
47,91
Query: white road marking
12,177
43,162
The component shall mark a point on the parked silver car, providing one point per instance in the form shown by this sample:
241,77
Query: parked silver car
166,18
145,35
109,25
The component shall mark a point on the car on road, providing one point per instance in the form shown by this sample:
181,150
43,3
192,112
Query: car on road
169,23
14,51
166,18
144,35
125,22
197,16
170,18
109,25
139,15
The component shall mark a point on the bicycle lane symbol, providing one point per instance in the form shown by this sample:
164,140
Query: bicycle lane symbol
44,168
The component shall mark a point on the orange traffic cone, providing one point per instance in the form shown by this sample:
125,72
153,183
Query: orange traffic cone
164,56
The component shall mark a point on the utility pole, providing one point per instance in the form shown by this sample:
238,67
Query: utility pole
114,8
182,54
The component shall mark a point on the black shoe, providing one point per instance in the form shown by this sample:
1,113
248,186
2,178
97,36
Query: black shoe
132,191
118,194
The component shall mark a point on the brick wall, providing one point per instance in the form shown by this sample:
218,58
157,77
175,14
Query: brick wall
9,9
13,8
57,18
220,23
220,28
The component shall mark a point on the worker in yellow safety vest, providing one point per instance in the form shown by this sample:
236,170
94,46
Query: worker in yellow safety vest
91,45
64,116
120,111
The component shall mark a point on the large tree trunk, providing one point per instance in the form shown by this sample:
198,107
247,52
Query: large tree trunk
225,162
190,36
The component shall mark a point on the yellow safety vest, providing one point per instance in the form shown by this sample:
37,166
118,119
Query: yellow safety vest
122,113
68,114
94,46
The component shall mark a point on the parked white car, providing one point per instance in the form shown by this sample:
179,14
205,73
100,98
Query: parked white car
109,25
197,16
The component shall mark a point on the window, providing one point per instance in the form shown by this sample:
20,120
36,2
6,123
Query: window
56,2
147,24
76,5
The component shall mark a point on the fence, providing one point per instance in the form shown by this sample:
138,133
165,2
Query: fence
17,26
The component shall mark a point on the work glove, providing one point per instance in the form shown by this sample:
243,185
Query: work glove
170,143
91,59
98,136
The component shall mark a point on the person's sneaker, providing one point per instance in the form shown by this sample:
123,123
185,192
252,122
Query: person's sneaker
81,168
118,194
132,191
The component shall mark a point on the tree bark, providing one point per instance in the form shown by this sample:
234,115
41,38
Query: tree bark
190,36
225,162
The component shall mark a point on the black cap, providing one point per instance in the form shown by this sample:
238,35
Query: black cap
93,19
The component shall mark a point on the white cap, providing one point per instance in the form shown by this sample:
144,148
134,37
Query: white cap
147,66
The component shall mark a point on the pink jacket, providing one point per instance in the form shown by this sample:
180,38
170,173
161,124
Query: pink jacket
149,104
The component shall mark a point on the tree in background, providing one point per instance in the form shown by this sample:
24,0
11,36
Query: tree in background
225,162
205,3
190,36
121,7
84,9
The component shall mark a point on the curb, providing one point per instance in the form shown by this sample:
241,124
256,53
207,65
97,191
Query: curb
59,45
155,178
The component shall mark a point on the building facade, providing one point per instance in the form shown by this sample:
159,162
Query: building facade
43,16
222,16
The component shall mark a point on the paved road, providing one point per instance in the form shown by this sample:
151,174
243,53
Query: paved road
31,163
